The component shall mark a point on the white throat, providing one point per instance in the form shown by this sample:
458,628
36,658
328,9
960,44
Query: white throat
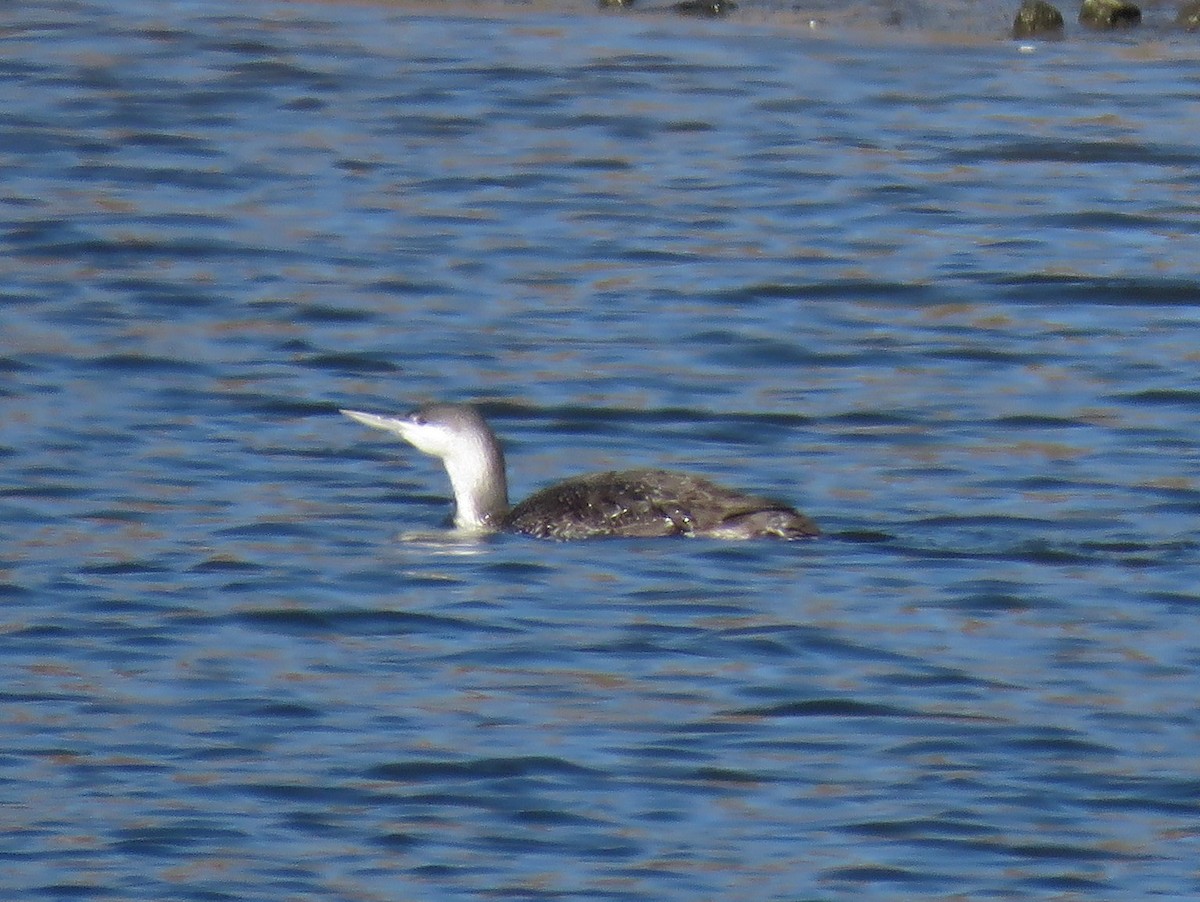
480,489
467,449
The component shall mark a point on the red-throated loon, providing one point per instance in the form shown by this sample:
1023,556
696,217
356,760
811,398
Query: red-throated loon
631,503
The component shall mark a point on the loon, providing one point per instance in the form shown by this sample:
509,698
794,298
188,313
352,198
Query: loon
629,503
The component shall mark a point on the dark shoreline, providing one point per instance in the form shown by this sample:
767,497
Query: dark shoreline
953,21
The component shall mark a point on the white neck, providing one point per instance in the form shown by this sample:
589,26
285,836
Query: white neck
476,472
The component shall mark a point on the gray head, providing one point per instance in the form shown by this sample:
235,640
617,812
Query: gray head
468,449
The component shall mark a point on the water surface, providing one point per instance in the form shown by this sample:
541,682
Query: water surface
941,294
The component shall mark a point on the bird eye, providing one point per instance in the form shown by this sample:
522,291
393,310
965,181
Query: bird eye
419,419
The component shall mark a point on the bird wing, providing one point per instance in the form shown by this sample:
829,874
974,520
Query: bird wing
640,504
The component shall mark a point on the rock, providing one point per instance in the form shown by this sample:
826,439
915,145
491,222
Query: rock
1189,16
1038,19
710,9
1109,14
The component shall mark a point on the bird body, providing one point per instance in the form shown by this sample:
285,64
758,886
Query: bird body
630,503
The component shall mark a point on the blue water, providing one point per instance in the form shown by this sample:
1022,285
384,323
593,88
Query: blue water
939,292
